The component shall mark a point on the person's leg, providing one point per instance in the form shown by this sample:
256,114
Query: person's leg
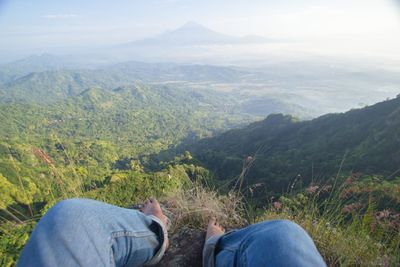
270,243
83,232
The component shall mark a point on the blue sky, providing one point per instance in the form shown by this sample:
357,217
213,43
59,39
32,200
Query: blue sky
48,24
133,18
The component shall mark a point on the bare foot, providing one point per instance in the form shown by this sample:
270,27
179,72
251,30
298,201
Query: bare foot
152,207
214,228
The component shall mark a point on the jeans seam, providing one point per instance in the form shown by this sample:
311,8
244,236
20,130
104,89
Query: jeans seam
231,249
112,258
132,234
242,253
124,233
237,248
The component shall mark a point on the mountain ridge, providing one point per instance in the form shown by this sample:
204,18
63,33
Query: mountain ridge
284,147
192,33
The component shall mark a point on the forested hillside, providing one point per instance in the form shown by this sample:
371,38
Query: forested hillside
102,134
99,130
54,85
281,149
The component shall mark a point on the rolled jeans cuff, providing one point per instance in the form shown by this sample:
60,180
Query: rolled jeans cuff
163,236
209,251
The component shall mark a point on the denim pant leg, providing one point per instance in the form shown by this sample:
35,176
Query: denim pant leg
269,243
83,232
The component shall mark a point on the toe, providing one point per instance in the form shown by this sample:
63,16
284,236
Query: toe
212,221
154,201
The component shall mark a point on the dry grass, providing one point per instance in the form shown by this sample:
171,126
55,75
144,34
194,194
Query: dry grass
194,206
339,246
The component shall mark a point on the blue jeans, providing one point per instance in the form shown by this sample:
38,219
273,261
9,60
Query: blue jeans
83,232
269,243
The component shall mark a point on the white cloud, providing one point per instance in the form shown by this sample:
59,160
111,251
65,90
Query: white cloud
59,16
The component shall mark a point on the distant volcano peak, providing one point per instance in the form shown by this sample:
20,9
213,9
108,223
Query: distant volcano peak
193,33
192,25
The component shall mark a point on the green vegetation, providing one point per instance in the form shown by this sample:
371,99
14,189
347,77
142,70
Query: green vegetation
349,229
279,150
95,144
122,143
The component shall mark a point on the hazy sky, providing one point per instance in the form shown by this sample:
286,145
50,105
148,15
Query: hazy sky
370,27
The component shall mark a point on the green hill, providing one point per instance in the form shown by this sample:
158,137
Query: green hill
42,79
362,140
99,130
52,86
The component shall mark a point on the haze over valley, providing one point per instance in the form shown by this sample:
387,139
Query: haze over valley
264,74
304,89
